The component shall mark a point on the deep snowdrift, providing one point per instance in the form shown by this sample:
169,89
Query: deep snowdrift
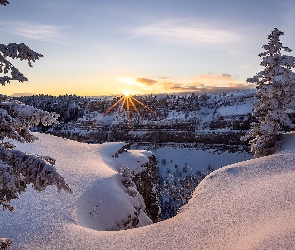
248,205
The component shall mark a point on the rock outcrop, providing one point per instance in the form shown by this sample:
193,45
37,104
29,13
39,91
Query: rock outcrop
146,183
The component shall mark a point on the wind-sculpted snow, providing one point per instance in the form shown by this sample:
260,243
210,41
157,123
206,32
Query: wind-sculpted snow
248,205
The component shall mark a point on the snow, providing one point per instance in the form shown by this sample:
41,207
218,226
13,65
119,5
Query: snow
247,205
288,144
133,159
92,181
242,109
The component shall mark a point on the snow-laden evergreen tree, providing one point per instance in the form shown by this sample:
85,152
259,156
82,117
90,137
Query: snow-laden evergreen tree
19,169
4,2
275,94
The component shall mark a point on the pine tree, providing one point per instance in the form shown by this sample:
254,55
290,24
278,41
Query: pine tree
275,94
18,169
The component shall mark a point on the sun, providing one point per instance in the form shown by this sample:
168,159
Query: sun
127,101
126,93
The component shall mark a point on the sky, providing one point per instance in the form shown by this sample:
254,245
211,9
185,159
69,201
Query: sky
108,47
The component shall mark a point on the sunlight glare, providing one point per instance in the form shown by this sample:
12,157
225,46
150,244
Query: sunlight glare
126,93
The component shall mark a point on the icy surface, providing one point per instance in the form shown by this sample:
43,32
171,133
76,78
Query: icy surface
248,205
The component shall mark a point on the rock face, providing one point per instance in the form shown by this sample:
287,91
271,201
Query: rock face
139,208
146,183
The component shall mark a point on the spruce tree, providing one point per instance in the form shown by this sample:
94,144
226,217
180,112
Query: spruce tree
274,95
19,169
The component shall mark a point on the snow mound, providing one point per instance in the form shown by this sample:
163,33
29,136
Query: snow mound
100,201
248,205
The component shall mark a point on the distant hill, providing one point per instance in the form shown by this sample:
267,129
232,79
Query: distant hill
218,120
22,94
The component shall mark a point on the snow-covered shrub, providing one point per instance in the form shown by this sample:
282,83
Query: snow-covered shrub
275,94
15,51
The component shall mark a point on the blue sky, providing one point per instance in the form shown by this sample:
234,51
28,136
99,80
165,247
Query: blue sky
107,47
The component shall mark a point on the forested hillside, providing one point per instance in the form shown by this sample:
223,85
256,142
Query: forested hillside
217,120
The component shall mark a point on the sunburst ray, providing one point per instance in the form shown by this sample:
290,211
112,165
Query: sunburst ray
113,106
130,104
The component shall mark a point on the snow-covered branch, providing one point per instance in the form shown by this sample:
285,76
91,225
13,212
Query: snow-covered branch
15,51
16,118
18,169
4,2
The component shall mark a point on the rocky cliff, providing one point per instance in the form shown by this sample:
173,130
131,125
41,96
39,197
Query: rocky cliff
146,183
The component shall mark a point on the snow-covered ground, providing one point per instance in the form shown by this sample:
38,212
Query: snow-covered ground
247,205
194,159
241,109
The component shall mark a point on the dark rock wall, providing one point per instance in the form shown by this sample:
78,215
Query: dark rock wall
146,183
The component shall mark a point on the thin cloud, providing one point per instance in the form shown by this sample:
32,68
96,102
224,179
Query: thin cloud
216,79
34,31
140,82
77,65
206,83
201,88
287,15
183,31
172,86
146,81
209,83
246,66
